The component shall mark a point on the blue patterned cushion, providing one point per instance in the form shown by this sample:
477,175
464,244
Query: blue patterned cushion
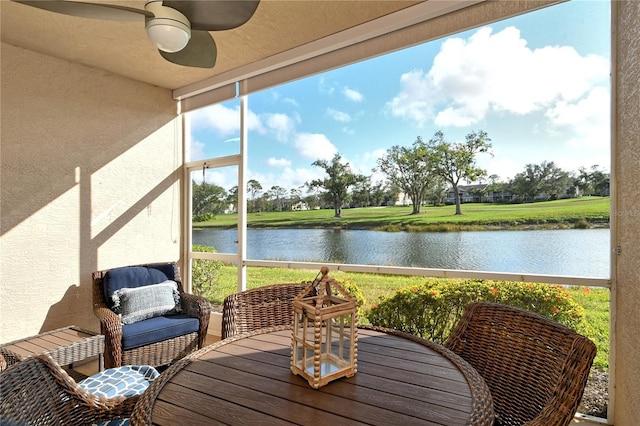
124,381
118,422
140,303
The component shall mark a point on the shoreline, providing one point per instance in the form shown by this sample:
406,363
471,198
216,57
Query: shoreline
435,227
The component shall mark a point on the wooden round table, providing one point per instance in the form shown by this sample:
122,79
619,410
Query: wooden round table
246,380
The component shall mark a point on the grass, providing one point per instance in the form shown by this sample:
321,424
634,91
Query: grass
559,213
594,301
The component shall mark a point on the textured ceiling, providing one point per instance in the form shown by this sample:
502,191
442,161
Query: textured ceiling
123,48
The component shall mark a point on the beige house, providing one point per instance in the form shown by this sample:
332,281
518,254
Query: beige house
92,143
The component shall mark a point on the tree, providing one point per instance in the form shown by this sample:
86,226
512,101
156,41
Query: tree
601,182
457,161
277,193
500,191
296,197
379,192
554,181
525,184
253,187
594,182
544,179
232,197
361,194
208,199
337,185
436,193
411,169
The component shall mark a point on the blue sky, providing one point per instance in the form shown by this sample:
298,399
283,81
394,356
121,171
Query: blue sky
538,84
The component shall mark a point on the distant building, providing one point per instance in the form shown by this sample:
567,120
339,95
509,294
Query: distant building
468,194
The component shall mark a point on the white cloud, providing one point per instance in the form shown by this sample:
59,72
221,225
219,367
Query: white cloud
224,177
502,166
291,102
368,160
196,149
413,101
340,116
352,95
585,119
325,87
289,177
278,162
314,146
494,72
281,124
223,120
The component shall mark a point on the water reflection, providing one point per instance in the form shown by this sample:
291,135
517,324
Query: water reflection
578,252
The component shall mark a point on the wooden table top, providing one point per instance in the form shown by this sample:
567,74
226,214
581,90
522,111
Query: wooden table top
401,380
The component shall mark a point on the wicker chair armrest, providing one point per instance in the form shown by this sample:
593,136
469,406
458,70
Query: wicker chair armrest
111,327
195,306
98,409
109,321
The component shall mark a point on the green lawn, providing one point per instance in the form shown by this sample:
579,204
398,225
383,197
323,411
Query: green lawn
474,215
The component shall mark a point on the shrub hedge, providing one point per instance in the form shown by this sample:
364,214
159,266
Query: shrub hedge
431,310
204,272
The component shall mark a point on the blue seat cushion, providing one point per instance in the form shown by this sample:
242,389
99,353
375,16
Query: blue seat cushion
135,276
128,380
156,329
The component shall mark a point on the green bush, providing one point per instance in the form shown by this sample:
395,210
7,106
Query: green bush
203,217
431,310
355,291
582,224
204,272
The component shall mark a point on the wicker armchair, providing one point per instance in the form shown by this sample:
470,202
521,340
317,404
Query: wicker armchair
156,341
536,369
37,391
261,307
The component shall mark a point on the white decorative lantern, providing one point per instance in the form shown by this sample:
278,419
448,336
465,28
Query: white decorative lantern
324,335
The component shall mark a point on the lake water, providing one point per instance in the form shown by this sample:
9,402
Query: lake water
572,252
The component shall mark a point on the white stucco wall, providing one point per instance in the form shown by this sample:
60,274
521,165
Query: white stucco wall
626,124
90,179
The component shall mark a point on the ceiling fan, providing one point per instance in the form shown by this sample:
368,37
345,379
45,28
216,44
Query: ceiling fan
178,28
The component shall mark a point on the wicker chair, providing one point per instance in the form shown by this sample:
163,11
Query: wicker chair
162,346
37,391
536,369
261,307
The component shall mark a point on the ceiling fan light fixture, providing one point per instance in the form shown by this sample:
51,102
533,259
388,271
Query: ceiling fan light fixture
169,30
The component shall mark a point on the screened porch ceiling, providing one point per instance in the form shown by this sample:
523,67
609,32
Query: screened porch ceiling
278,26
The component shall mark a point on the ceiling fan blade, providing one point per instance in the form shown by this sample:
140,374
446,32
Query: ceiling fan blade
89,10
200,52
215,15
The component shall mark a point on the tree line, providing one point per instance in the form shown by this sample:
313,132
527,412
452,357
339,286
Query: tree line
423,172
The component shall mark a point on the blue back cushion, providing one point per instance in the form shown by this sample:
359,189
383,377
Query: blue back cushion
135,276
